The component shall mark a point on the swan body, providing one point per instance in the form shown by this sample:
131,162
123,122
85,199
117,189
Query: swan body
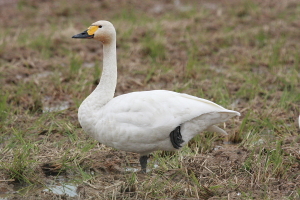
142,122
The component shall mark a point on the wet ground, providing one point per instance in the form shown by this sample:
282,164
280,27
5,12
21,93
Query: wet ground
44,87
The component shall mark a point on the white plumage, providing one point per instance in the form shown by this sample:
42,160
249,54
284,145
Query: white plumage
142,122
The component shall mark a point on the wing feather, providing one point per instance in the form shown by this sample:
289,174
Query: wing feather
150,116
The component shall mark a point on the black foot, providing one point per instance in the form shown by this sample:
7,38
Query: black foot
143,162
176,138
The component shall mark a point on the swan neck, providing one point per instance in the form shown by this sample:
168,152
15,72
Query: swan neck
108,80
103,93
105,90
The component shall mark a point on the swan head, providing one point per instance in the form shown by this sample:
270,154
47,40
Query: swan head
103,31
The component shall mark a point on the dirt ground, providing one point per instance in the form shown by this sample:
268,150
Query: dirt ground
36,50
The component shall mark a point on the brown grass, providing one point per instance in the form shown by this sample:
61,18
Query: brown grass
243,55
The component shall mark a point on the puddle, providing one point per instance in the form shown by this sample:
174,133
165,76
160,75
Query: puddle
62,106
133,169
42,75
88,65
58,186
67,189
61,187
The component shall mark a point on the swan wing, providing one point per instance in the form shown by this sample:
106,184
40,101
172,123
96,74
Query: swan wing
150,116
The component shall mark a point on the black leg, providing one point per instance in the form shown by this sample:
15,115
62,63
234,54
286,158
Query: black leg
143,162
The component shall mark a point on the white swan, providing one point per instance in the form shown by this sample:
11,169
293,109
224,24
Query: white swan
146,121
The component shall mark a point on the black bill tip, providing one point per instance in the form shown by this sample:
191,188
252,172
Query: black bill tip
83,35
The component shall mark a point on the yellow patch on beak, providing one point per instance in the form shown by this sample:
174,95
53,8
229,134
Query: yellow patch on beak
92,29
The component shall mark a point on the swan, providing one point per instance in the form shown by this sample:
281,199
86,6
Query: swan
146,121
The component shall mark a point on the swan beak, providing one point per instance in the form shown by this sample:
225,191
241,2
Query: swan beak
87,34
84,35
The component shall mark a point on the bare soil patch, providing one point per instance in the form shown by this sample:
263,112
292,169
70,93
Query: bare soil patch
243,55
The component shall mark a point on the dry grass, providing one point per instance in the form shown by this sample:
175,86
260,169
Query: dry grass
243,55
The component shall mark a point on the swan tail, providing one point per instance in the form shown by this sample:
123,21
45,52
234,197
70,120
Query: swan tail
216,129
207,122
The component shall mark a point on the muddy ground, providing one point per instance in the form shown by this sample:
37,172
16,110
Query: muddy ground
40,75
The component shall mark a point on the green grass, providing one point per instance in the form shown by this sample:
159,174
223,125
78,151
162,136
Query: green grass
242,55
19,168
75,65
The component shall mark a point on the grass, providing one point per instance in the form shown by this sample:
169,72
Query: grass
243,55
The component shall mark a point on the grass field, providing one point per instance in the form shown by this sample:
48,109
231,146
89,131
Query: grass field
241,54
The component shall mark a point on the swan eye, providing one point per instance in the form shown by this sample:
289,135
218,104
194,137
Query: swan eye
100,26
